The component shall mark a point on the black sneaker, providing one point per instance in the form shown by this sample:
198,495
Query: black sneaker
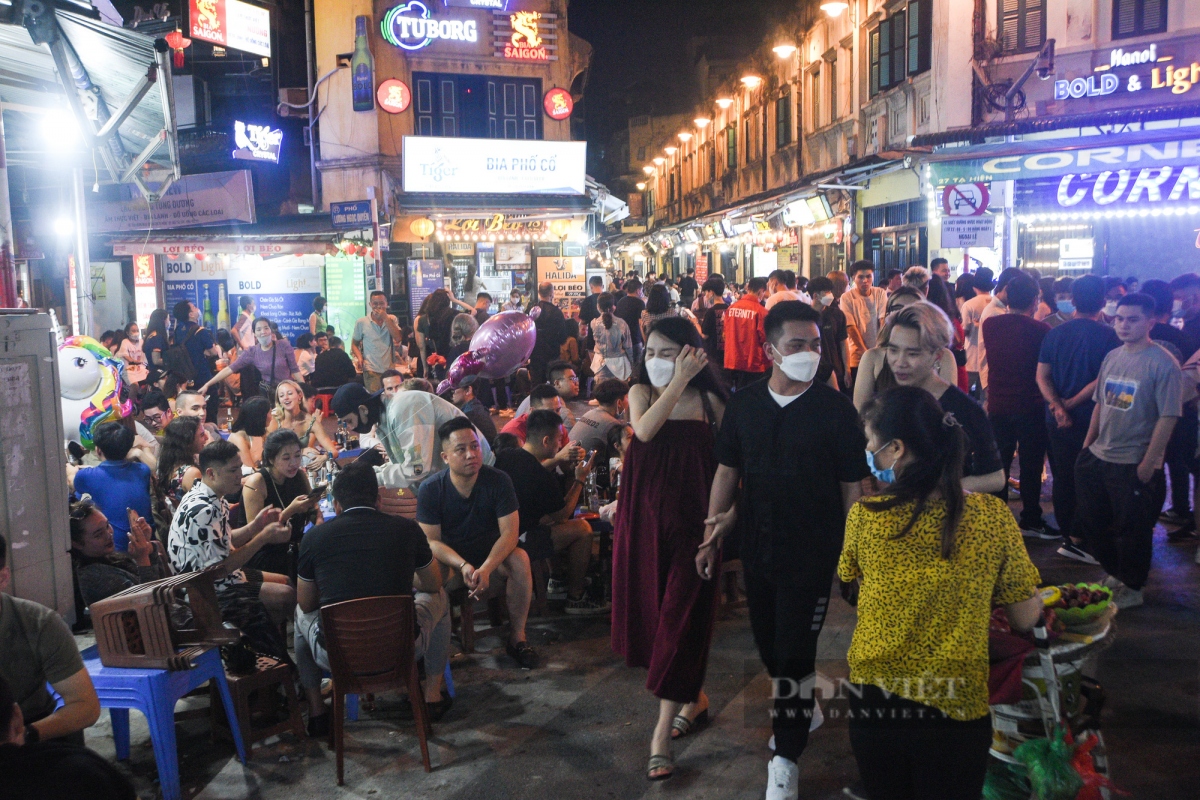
1040,531
318,727
1077,551
523,654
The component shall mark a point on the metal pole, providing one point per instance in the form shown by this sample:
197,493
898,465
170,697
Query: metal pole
83,262
8,270
312,129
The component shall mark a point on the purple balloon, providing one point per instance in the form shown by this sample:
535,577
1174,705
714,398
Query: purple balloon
468,363
504,343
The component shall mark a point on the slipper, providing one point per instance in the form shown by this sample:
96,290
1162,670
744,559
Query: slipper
660,763
681,726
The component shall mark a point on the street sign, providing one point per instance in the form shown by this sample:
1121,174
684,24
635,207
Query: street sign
965,200
350,216
969,231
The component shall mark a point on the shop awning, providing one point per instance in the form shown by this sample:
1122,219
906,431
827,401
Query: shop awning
116,82
1043,158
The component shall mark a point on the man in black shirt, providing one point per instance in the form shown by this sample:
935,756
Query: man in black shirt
545,515
363,552
469,513
688,288
833,336
712,324
798,449
630,308
333,367
551,329
588,310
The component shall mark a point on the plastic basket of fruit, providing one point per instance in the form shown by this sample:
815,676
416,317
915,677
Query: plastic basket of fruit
1077,603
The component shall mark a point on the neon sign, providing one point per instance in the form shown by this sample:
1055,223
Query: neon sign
257,142
558,104
411,26
526,43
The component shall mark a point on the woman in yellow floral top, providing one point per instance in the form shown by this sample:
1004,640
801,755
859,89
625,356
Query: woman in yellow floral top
932,563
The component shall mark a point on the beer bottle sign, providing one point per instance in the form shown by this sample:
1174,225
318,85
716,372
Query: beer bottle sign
362,69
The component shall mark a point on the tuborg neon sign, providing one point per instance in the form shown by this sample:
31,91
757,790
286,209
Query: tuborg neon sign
411,26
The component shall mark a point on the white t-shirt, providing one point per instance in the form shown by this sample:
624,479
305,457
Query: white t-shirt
971,320
787,294
866,314
784,399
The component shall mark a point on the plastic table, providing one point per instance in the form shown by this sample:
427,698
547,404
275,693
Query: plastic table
154,692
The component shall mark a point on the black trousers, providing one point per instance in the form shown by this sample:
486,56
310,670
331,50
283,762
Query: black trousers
1024,434
786,619
910,751
1116,514
1065,447
1181,460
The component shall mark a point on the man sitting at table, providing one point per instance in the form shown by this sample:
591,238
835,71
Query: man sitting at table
363,552
469,513
37,648
546,526
333,367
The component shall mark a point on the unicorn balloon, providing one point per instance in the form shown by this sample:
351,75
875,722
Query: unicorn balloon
94,389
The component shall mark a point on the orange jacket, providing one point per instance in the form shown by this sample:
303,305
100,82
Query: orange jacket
745,334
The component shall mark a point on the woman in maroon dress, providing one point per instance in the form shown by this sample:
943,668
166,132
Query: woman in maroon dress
662,616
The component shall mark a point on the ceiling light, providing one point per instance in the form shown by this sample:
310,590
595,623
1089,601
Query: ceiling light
784,50
671,150
751,81
702,122
834,8
685,136
724,102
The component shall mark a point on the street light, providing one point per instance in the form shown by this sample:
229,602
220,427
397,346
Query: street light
702,122
671,150
784,50
64,227
684,136
724,102
641,187
59,130
751,81
649,170
834,8
659,160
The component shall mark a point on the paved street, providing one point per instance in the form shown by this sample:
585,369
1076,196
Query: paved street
579,727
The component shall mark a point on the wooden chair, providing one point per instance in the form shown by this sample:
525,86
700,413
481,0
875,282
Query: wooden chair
370,646
269,673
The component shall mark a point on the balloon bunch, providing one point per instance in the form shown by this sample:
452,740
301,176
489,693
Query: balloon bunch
498,348
95,381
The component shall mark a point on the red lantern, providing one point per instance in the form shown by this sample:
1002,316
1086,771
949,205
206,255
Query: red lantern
177,42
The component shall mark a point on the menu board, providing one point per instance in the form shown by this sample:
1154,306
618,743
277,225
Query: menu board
345,292
425,276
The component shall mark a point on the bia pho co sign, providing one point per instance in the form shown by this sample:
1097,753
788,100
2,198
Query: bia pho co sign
412,26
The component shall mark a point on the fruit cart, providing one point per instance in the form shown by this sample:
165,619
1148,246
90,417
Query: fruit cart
1056,694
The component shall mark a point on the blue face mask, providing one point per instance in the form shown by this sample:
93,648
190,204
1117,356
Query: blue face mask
883,475
1065,307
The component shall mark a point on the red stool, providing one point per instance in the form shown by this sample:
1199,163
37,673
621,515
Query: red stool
322,403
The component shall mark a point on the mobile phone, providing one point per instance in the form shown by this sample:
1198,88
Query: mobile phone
318,490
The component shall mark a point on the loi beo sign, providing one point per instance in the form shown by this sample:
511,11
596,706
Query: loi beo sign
412,26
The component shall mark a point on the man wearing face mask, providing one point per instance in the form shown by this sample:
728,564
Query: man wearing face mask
744,335
1186,305
798,450
833,368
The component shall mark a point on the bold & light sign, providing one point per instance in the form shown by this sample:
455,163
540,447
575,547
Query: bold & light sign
411,26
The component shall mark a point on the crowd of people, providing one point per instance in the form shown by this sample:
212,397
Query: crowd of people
826,433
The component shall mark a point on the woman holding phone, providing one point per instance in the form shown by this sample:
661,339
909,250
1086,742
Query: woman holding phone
279,483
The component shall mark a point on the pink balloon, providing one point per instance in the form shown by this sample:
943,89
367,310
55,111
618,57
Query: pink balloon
503,343
466,364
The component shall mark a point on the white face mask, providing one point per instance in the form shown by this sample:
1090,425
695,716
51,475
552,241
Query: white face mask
1110,308
264,339
660,371
825,299
800,366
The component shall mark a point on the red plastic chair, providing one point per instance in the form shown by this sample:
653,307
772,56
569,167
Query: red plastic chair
370,647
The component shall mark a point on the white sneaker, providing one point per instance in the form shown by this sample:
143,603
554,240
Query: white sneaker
783,779
1110,582
1124,597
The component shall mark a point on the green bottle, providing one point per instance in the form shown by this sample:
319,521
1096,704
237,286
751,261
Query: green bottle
362,69
208,315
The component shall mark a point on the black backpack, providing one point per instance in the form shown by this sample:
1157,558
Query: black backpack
178,360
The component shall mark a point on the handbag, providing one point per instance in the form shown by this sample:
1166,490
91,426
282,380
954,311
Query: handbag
177,359
268,387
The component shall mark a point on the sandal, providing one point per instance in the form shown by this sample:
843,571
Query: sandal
681,726
660,763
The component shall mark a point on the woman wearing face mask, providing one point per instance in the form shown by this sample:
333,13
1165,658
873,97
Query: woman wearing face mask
662,610
132,354
874,375
279,483
931,563
291,413
273,358
916,338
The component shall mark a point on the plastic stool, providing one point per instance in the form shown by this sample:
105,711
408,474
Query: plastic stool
322,403
352,699
154,692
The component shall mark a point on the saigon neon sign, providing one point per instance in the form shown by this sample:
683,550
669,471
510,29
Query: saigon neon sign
526,43
411,26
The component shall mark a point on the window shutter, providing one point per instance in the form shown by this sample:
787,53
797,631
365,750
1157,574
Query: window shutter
1154,16
920,34
1125,17
875,62
1010,21
1034,21
885,54
898,50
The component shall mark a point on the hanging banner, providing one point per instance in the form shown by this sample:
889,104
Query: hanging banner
345,292
214,198
145,289
569,277
425,276
226,247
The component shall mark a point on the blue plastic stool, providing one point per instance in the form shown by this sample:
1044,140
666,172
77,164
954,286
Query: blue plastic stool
352,699
154,692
